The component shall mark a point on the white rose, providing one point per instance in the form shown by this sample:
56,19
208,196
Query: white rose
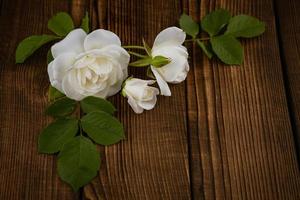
88,65
168,43
140,95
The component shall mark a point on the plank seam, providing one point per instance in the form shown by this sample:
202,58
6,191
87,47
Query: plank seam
188,127
286,82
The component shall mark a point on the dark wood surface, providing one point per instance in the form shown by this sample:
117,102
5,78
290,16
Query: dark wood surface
226,133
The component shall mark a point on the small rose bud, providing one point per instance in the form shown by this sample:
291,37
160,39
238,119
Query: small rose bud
140,95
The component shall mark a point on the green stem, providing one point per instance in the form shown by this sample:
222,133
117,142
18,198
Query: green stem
201,39
189,40
133,47
137,54
80,127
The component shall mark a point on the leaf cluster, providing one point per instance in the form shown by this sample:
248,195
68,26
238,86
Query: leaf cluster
223,31
75,139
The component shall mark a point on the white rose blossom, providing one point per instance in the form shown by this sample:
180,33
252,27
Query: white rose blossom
140,95
88,65
168,43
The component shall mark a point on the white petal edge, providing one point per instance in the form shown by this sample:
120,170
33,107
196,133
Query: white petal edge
148,105
61,65
176,67
71,88
114,89
73,42
50,71
139,82
135,107
163,85
100,38
182,76
171,36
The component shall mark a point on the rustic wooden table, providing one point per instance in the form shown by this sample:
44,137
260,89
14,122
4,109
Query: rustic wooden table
227,132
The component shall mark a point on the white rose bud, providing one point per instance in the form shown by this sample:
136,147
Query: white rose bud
140,95
168,43
88,65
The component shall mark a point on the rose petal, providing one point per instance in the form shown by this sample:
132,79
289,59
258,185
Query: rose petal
163,86
182,75
136,91
178,63
148,105
71,87
118,53
116,74
101,38
58,68
139,82
73,42
53,82
136,108
101,94
50,71
114,89
171,36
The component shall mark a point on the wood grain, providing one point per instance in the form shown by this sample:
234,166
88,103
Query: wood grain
288,13
25,174
225,133
152,163
240,134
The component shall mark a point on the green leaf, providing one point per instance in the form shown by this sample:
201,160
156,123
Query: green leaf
215,21
102,128
90,104
78,162
228,49
245,26
61,107
54,94
55,135
61,24
188,25
160,61
85,25
142,62
147,48
205,48
29,45
49,56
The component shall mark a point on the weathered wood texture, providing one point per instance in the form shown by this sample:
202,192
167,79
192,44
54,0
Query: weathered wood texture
152,163
240,134
288,14
225,132
243,124
25,174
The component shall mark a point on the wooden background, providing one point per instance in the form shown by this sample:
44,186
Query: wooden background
226,133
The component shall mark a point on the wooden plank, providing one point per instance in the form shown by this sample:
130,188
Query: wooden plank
237,122
153,162
25,174
288,26
240,134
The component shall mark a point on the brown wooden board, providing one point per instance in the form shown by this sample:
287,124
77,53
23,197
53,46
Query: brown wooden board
225,132
25,174
240,134
288,26
152,163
